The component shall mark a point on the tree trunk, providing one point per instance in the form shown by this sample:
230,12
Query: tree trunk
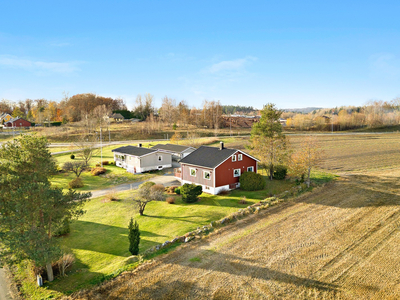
49,269
308,177
271,171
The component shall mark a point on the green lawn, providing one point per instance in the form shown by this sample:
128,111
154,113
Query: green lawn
99,239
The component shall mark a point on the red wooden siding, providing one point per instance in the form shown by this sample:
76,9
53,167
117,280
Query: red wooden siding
199,178
19,123
224,172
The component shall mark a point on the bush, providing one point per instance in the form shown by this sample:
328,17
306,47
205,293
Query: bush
76,183
280,172
146,184
98,165
99,170
178,191
251,181
243,200
72,156
170,200
62,228
105,163
134,237
190,192
171,189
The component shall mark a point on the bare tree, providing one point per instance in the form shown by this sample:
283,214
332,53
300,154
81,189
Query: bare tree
76,167
87,148
147,192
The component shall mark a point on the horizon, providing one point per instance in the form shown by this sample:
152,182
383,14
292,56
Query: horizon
292,54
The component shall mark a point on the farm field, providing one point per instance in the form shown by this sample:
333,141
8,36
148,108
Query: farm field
340,241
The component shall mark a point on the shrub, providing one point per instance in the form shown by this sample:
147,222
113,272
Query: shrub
178,191
134,237
170,200
190,192
171,189
243,200
106,162
98,165
63,263
280,172
99,170
146,184
111,195
76,183
62,228
111,163
157,188
72,156
251,181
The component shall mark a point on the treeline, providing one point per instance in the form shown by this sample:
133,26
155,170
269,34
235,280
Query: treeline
69,109
374,114
237,109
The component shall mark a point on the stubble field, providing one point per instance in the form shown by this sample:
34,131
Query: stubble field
341,241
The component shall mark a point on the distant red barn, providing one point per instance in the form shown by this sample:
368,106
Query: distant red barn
18,122
215,169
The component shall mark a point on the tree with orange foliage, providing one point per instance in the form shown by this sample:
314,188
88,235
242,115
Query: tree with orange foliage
306,158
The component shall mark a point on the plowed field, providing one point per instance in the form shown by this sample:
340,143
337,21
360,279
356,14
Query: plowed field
341,241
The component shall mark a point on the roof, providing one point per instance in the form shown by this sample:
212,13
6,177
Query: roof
15,119
172,147
209,157
117,116
133,150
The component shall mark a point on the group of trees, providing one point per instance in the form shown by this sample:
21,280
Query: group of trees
31,209
373,114
269,144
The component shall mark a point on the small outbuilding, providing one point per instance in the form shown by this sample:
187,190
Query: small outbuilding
138,159
178,151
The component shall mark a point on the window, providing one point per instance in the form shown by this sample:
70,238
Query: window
240,157
159,158
250,169
193,172
236,172
234,157
206,175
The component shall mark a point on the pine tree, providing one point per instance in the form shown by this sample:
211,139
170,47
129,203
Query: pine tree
134,237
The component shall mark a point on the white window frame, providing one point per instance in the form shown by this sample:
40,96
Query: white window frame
240,157
251,169
234,175
209,175
234,158
190,172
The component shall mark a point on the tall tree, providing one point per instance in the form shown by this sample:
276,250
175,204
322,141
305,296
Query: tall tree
268,141
30,208
134,237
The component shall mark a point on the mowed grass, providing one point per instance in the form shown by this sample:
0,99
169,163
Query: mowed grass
99,239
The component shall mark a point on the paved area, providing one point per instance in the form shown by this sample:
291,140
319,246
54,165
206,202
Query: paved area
4,286
166,180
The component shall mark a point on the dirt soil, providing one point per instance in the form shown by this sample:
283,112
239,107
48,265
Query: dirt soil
342,241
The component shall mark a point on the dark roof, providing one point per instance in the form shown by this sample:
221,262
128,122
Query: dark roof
171,147
133,150
208,157
117,116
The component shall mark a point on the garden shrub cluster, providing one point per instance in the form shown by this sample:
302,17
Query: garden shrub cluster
178,191
170,200
251,181
76,183
98,170
280,172
190,192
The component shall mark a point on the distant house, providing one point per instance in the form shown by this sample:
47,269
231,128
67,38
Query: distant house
117,117
17,122
215,169
283,122
4,117
178,151
138,159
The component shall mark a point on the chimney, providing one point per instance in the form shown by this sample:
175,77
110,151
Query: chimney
221,145
140,145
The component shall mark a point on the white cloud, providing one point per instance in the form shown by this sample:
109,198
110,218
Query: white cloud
231,65
38,66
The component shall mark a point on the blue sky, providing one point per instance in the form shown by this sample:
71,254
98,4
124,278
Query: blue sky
291,53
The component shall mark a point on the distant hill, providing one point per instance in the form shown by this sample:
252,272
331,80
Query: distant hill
305,110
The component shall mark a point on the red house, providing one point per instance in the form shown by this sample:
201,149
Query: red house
215,169
17,122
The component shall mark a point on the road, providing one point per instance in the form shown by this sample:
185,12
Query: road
166,180
4,286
